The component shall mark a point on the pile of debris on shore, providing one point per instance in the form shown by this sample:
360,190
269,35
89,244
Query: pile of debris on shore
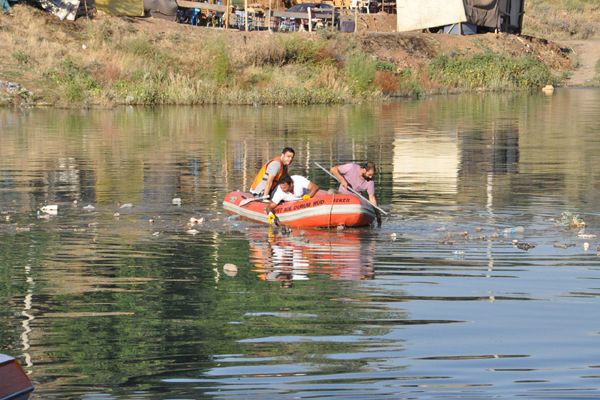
72,9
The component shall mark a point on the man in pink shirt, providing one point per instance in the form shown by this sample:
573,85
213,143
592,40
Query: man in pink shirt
358,177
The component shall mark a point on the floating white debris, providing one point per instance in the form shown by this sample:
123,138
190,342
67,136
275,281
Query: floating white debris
586,236
89,207
230,269
196,221
513,230
548,89
393,236
151,221
586,246
192,232
116,215
126,205
156,234
176,201
50,209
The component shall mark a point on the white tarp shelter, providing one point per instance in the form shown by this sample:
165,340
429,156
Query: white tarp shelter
423,14
503,15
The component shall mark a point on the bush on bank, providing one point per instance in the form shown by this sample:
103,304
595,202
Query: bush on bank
489,71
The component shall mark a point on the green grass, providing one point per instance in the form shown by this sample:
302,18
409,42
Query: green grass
489,71
21,57
360,72
74,82
220,64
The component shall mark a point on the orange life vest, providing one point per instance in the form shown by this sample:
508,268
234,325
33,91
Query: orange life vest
261,176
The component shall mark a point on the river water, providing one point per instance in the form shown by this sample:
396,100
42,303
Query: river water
112,298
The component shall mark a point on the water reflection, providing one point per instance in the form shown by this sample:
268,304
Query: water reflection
130,305
345,255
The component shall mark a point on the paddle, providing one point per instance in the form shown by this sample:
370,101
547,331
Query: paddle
250,200
350,189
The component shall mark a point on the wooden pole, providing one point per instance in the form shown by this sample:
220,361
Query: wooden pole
226,14
269,16
333,19
246,15
356,19
309,21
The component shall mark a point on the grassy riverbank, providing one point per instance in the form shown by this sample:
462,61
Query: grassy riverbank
109,61
562,19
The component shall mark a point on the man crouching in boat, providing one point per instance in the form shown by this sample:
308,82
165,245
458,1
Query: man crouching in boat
357,177
270,173
291,188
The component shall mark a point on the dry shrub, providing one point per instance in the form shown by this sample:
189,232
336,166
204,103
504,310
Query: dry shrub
326,55
386,81
259,51
109,73
329,78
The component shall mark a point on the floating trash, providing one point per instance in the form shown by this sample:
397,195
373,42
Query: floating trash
513,230
571,221
230,269
176,201
458,253
156,234
548,89
393,236
41,215
525,246
586,235
195,221
50,209
116,215
89,207
564,245
126,205
586,246
192,232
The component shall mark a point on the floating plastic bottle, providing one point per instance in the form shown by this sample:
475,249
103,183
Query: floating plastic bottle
513,230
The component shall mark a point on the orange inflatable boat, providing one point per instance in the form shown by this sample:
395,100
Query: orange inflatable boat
324,210
14,383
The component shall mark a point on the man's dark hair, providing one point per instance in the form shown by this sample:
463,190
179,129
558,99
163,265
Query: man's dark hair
369,166
288,150
285,178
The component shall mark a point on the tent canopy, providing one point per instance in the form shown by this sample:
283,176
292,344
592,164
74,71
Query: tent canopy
126,8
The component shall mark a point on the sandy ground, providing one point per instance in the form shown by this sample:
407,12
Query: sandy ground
587,53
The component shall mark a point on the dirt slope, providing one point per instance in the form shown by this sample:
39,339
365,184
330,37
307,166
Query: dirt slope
587,53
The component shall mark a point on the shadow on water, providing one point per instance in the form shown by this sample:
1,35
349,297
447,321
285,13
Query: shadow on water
481,283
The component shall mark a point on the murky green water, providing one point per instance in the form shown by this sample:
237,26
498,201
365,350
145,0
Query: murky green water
114,302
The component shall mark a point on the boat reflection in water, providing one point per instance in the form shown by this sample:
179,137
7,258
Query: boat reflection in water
309,253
